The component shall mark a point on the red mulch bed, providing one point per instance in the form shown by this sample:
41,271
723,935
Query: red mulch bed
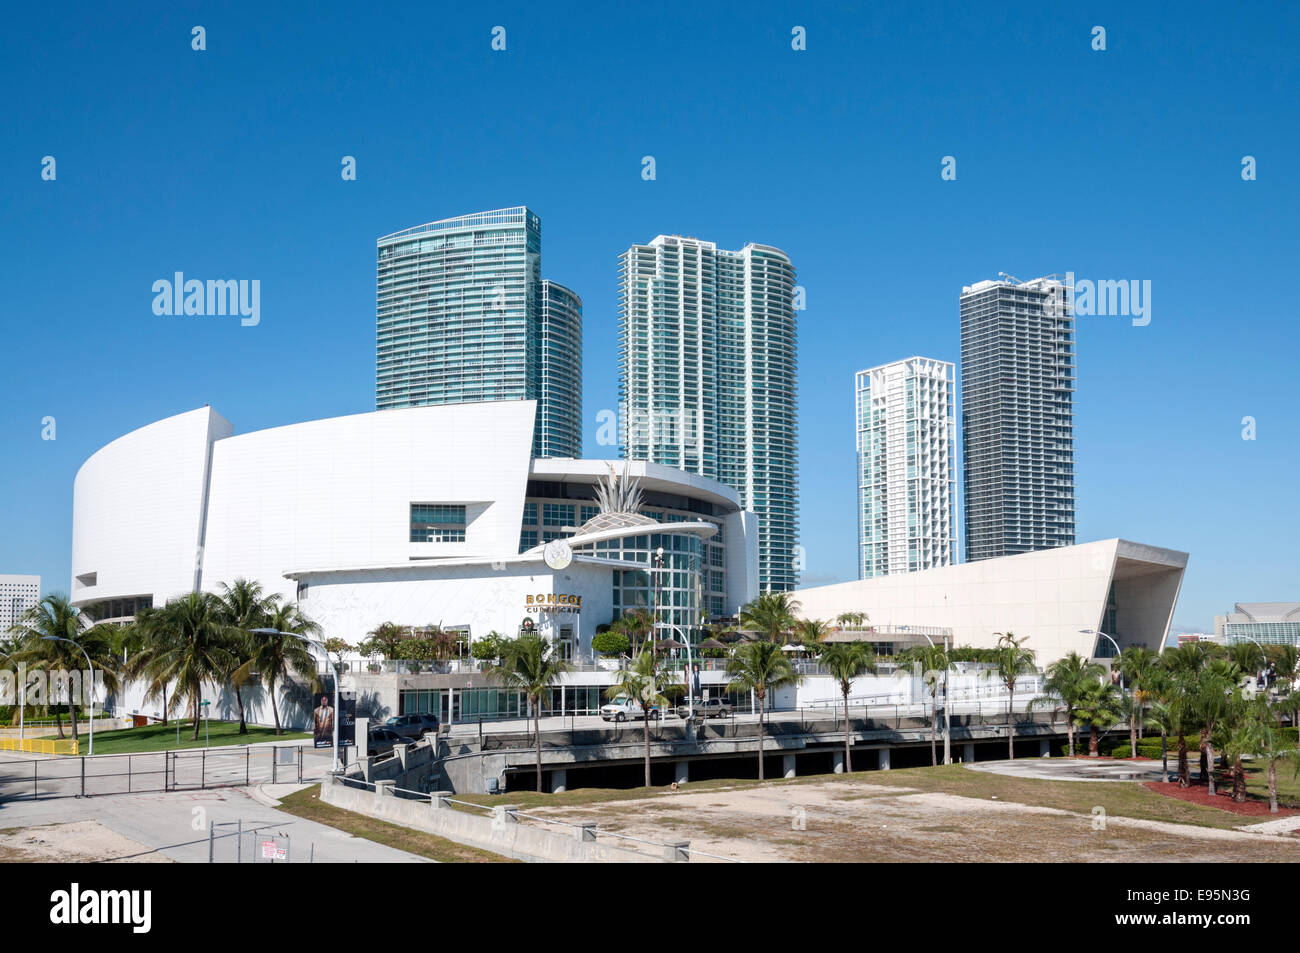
1222,799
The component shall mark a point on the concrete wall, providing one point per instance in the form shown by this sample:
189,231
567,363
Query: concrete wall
500,833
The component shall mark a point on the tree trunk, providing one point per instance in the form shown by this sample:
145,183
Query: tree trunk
1069,732
1011,721
1132,739
1272,787
239,701
164,718
761,706
934,727
1164,757
58,721
848,753
537,739
1238,781
1205,762
197,709
72,716
1183,771
275,709
1208,755
1093,738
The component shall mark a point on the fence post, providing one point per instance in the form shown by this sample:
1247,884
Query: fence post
300,764
36,787
203,768
211,829
274,761
82,759
239,843
128,774
247,767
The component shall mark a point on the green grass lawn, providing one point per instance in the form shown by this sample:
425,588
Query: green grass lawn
308,805
163,737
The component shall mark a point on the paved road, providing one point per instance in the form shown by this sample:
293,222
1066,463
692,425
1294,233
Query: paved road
165,823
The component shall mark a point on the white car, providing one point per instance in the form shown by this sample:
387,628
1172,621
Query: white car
621,709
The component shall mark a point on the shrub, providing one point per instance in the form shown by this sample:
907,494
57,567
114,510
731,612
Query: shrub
610,643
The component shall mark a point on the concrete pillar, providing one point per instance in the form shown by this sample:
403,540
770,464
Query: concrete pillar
968,753
884,758
681,771
383,789
440,800
400,752
587,832
788,766
837,762
559,781
675,852
505,814
1044,748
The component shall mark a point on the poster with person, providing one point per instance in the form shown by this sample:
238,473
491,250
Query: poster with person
322,722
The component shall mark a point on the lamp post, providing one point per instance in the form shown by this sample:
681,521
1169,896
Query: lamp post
59,638
22,700
328,666
1104,636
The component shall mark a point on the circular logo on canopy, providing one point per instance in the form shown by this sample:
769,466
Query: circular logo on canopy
557,554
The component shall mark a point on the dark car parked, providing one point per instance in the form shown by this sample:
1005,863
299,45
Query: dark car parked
412,726
381,739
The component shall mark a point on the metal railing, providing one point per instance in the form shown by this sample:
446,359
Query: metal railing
61,746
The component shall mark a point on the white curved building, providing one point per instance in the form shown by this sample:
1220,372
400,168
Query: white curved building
419,516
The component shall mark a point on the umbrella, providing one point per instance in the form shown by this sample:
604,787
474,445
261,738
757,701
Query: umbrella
712,644
792,648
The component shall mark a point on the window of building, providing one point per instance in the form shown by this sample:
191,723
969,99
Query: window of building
437,523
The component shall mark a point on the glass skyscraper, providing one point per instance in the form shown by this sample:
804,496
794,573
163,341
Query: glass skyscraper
462,318
1017,386
907,486
708,365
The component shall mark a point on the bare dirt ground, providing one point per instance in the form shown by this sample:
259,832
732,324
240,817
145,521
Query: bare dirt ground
851,821
77,842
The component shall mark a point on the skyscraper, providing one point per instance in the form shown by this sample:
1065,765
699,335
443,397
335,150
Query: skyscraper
907,486
708,362
559,411
17,595
1017,385
461,319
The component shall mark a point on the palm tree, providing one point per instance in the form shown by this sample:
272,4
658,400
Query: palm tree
846,661
531,665
933,662
810,632
243,608
1138,664
1244,737
772,613
1064,688
385,639
1287,658
636,624
284,654
760,667
641,683
1161,717
55,617
1186,659
1210,695
187,643
1010,661
1247,656
1098,709
1275,748
852,618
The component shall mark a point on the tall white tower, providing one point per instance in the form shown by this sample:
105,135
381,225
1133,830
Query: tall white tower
907,489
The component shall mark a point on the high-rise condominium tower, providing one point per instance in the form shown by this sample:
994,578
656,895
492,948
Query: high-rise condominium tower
708,363
907,476
462,317
1017,385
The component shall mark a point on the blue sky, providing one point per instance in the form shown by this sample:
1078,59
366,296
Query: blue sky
225,163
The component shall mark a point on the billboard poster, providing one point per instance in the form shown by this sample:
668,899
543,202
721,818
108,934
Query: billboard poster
324,716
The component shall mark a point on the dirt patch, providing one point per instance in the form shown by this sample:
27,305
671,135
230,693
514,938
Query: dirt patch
76,842
851,821
1221,799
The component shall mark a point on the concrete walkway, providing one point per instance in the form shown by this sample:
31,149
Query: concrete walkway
176,824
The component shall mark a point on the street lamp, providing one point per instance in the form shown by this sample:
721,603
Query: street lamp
1104,636
325,652
59,638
